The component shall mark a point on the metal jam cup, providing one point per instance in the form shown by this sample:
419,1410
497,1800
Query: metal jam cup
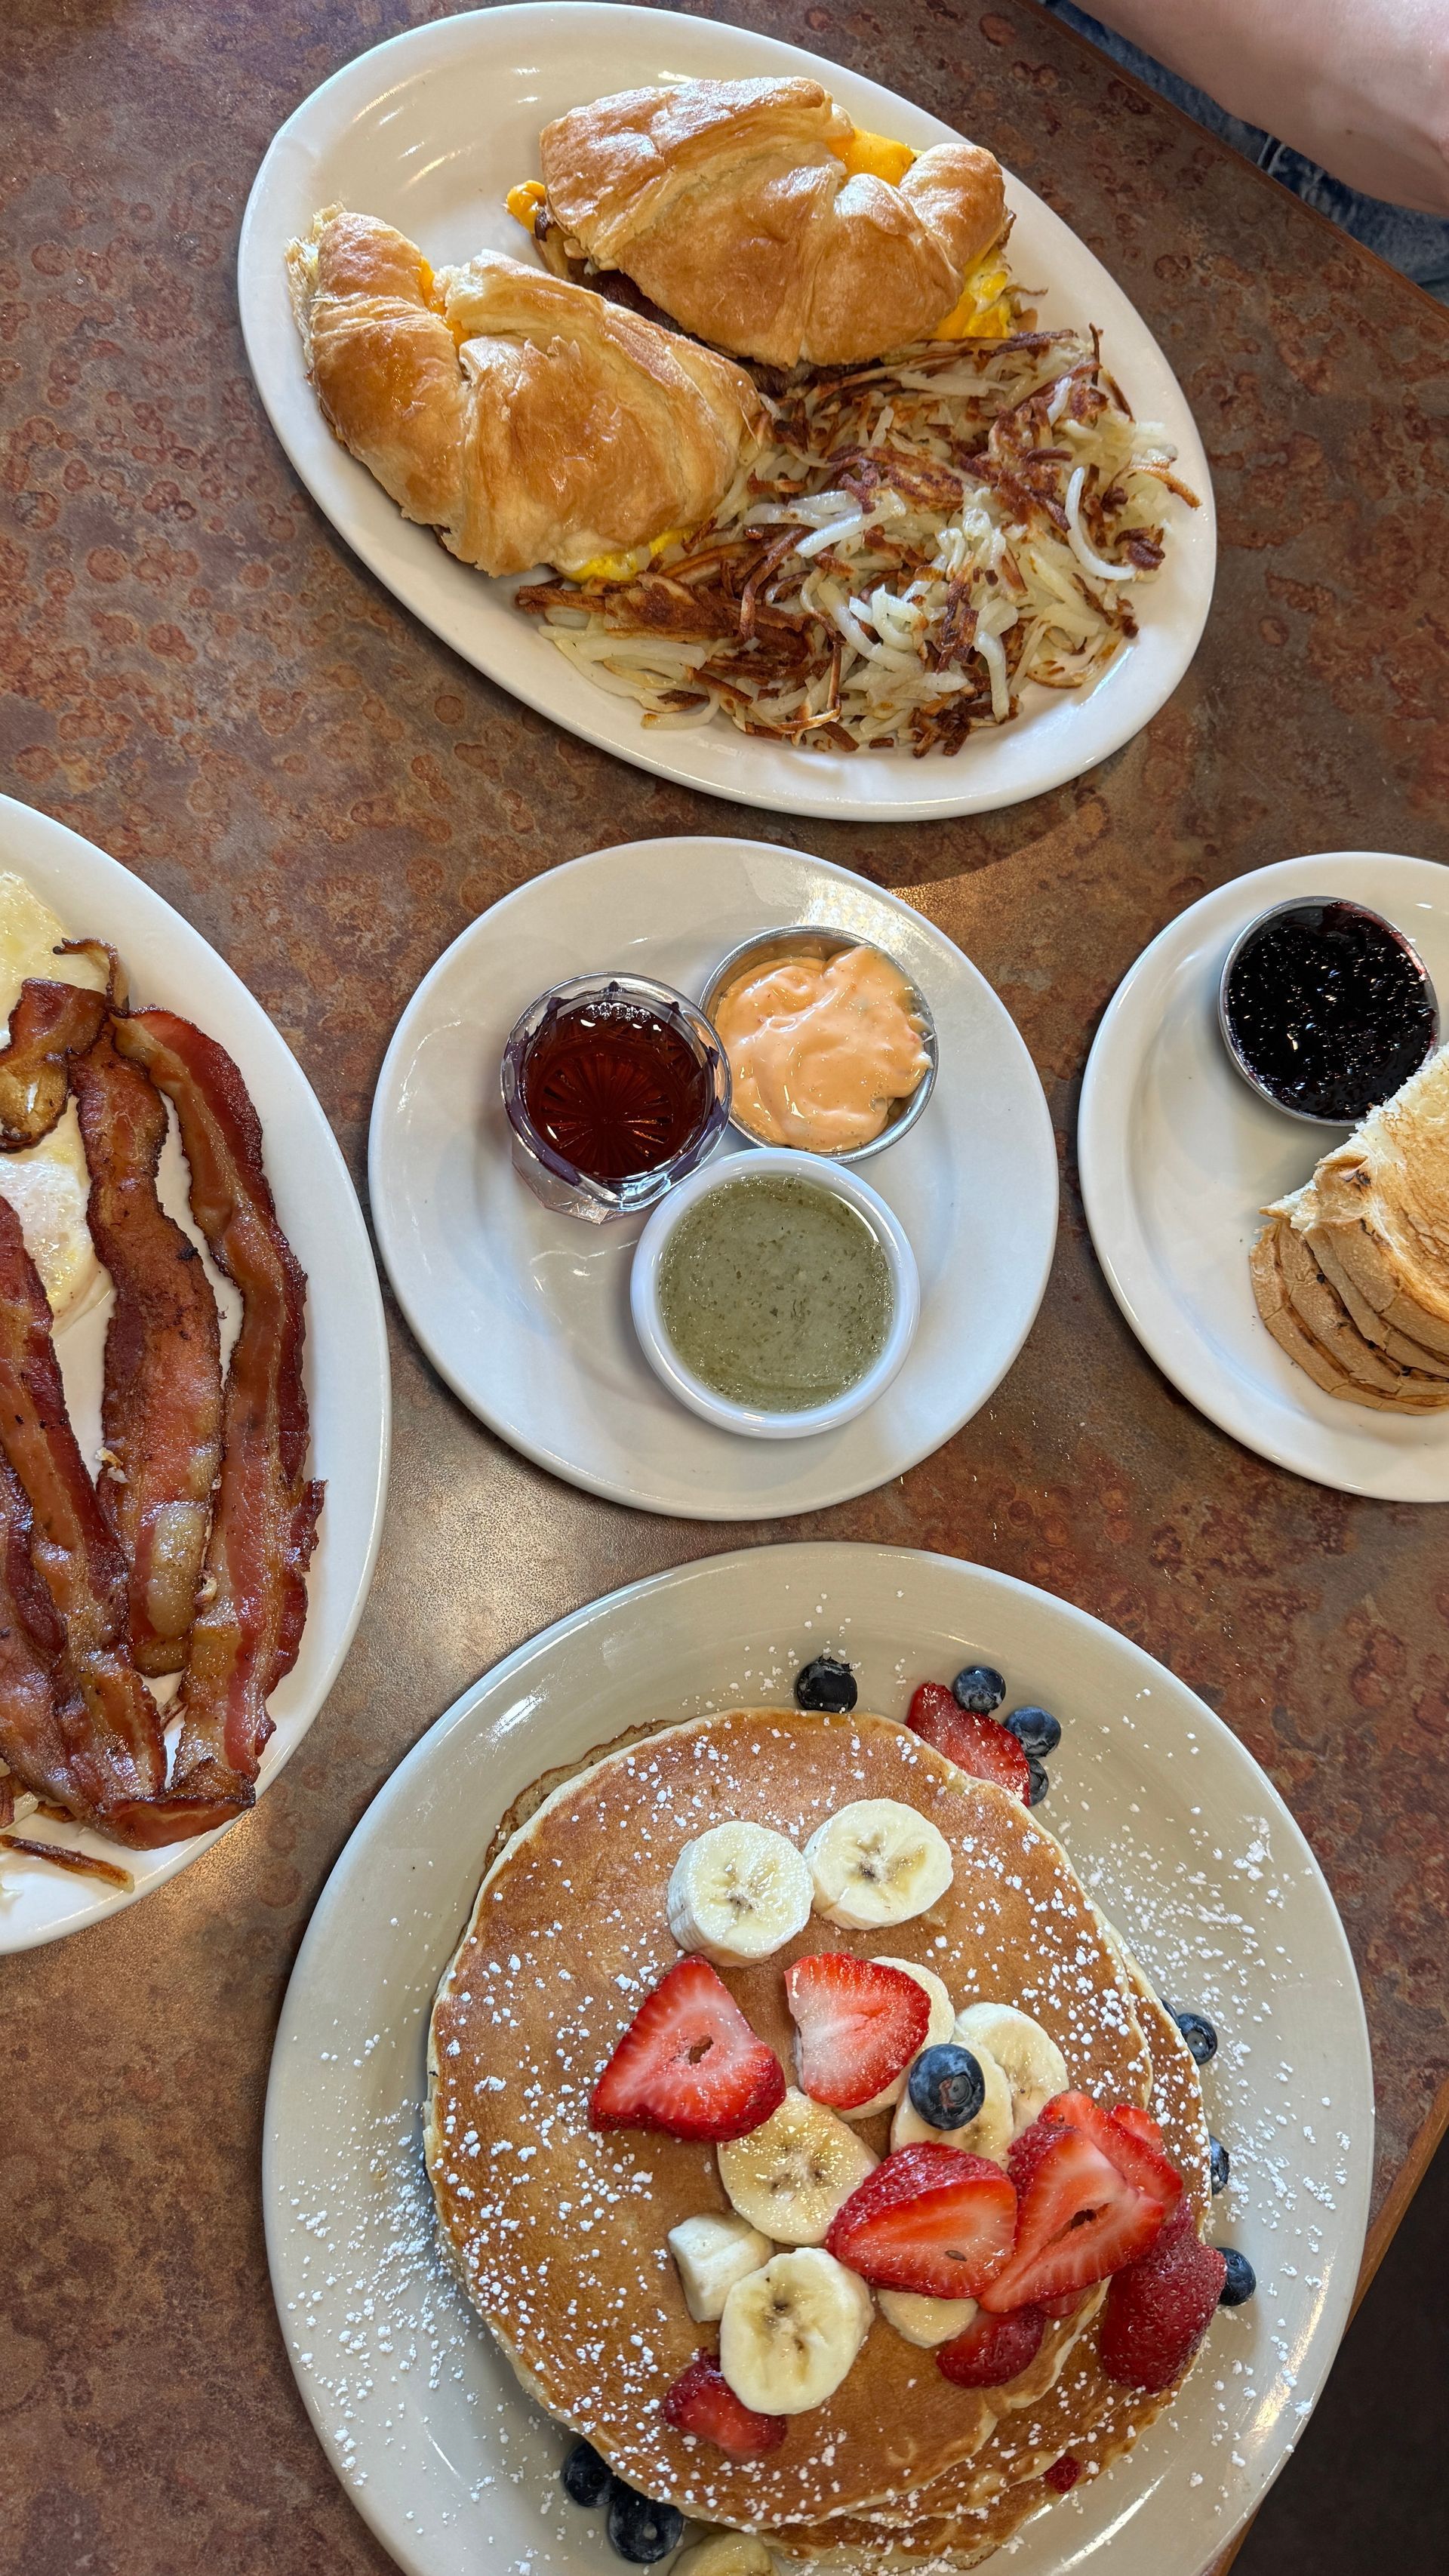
556,1182
1279,911
771,948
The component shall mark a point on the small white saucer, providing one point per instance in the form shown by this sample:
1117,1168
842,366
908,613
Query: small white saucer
526,1314
1178,1157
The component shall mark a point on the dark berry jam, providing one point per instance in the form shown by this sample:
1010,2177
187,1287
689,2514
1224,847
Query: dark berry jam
614,1087
1330,1010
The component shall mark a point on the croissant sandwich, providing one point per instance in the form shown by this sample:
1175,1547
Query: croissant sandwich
754,214
522,417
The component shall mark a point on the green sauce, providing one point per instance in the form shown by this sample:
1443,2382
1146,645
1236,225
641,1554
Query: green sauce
775,1293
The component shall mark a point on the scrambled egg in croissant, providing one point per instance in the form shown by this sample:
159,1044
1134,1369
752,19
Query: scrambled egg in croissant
755,215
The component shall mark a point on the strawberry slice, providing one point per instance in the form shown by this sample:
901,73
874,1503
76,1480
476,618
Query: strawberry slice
1066,2306
857,2024
930,2219
1138,2124
1063,2474
689,2063
1115,2134
980,1745
992,2349
702,2401
1157,2312
1078,2217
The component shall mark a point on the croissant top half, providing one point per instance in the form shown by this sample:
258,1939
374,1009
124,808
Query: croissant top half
730,204
522,417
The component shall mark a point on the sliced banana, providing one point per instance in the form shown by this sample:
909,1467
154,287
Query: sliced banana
791,2175
939,2027
738,1893
726,2553
790,2333
877,1862
714,2251
989,2134
925,2321
1032,2063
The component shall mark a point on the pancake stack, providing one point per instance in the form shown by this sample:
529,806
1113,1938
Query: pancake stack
1351,1274
559,2230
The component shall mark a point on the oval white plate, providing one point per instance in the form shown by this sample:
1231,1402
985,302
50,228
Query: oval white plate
526,1314
1178,1156
430,130
1183,1841
346,1349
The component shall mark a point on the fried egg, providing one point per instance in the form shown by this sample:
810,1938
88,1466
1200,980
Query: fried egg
47,1184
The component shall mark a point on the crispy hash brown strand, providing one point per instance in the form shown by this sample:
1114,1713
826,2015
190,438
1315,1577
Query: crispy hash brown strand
50,1024
264,1522
161,1406
40,1708
916,540
119,1759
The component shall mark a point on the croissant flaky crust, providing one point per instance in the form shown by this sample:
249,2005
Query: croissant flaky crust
729,203
522,417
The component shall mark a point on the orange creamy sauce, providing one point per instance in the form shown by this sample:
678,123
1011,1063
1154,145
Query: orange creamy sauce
820,1048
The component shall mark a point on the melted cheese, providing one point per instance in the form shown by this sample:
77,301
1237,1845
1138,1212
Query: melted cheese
876,156
523,202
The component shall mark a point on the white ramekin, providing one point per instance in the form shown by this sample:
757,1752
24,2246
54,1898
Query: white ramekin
821,1174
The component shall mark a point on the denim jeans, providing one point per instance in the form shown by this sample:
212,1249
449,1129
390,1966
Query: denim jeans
1418,245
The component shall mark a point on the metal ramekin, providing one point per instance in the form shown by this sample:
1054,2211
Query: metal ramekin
770,947
1312,903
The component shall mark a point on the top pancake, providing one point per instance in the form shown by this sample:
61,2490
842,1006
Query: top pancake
560,2233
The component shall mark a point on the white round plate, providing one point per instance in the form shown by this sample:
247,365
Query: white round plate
429,131
1178,1157
526,1314
1179,1835
346,1349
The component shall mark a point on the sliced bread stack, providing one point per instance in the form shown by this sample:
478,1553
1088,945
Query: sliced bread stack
1351,1274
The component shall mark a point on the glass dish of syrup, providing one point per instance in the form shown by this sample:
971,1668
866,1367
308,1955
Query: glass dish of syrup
615,1087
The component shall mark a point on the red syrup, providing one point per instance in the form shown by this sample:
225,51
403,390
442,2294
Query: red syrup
614,1087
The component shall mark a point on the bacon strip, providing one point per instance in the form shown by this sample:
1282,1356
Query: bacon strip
161,1406
264,1522
49,1025
80,1864
118,1759
40,1708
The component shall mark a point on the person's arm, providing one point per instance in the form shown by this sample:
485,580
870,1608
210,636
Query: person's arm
1361,86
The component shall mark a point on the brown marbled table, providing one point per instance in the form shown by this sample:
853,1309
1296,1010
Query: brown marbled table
197,675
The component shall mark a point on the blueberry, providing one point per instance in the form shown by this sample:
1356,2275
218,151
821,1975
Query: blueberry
1035,1730
1197,2030
979,1688
1240,2280
586,2478
947,2086
1040,1783
1220,2165
826,1683
639,2529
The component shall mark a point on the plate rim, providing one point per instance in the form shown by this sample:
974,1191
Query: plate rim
831,800
701,1507
1108,1195
17,819
389,1806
